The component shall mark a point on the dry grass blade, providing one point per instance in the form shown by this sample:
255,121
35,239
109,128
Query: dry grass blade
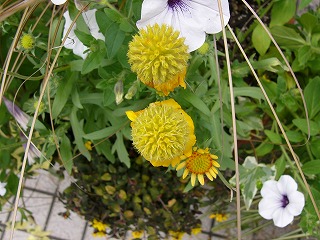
234,127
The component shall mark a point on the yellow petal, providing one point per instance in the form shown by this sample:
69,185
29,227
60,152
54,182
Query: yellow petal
131,115
193,179
185,173
215,164
181,165
209,176
212,173
201,179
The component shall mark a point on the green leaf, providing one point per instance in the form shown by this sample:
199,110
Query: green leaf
121,150
66,153
12,183
302,125
114,39
274,137
195,101
92,61
63,94
263,149
260,39
253,92
78,133
287,37
76,99
308,21
282,12
304,54
311,167
312,96
280,165
304,3
294,136
103,133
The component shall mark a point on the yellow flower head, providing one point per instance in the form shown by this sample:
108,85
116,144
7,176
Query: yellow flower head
159,57
199,163
137,234
100,226
220,217
27,41
162,133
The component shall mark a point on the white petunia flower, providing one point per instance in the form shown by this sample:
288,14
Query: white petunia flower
3,189
58,2
281,201
192,18
73,41
21,117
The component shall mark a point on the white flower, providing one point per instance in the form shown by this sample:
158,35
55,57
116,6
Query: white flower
192,18
21,117
73,41
3,189
281,201
58,2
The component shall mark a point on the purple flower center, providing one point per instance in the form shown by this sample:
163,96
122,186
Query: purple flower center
284,201
178,5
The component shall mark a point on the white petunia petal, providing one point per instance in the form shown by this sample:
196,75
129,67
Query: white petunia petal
79,48
150,9
296,203
58,2
211,20
286,185
193,19
270,189
267,207
282,217
72,38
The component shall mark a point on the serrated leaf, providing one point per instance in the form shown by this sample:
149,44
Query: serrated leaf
260,39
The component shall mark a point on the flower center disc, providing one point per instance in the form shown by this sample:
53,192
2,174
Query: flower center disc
284,201
199,163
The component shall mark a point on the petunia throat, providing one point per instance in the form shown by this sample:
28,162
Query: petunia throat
284,201
178,4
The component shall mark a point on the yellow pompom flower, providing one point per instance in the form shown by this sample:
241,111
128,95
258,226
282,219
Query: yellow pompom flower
27,42
162,133
159,57
199,163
